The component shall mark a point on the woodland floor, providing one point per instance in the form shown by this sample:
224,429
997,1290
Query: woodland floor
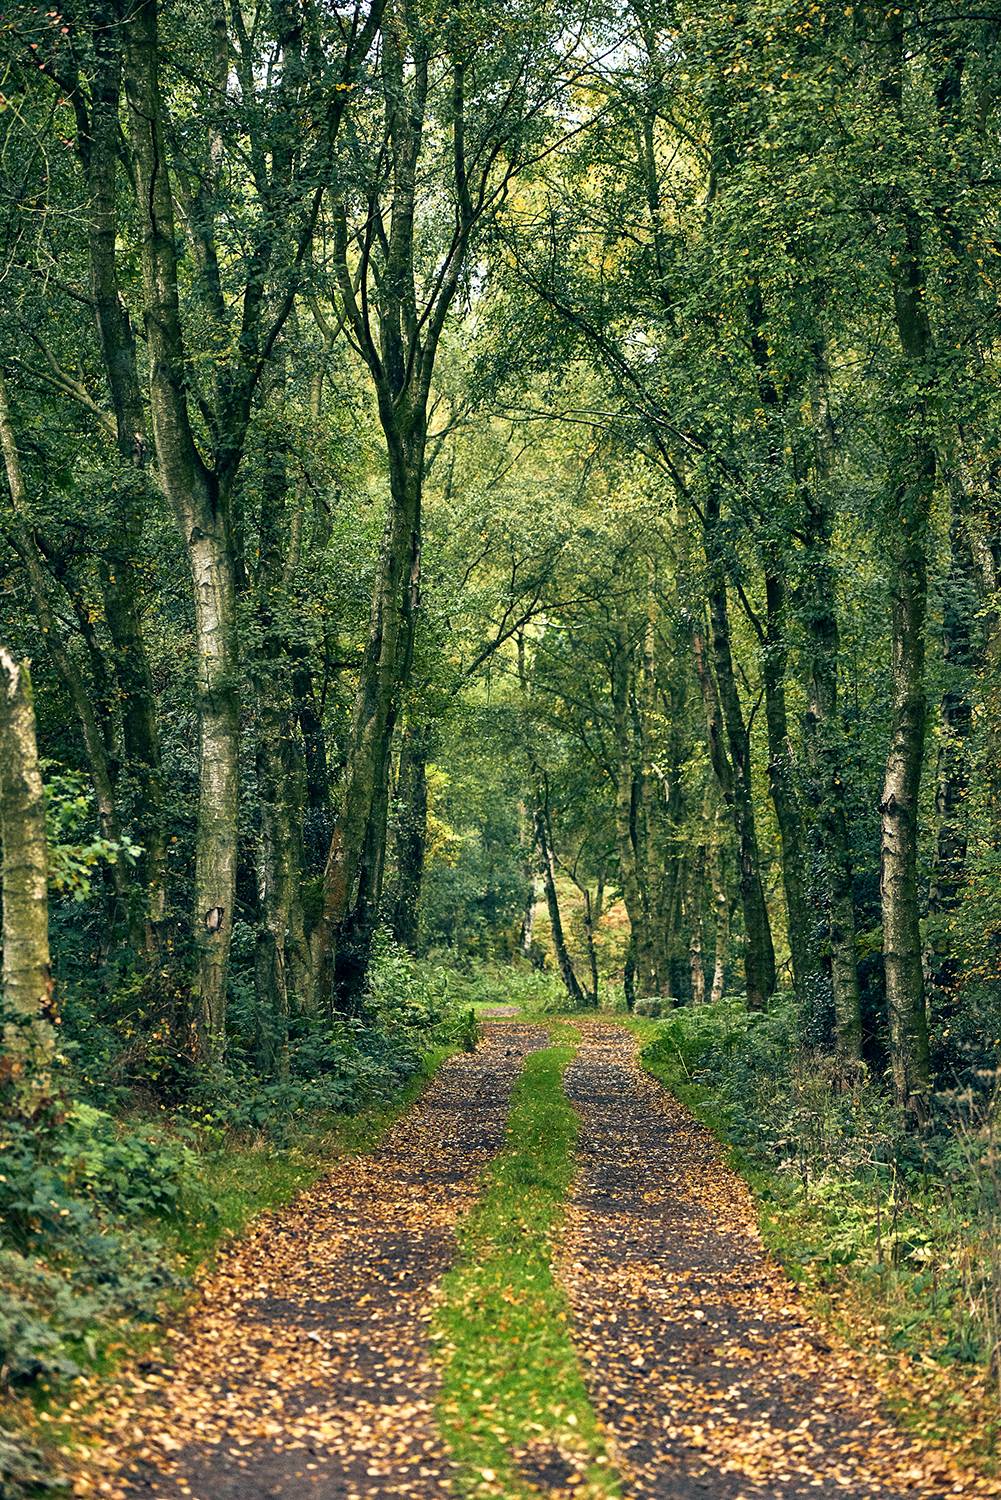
305,1369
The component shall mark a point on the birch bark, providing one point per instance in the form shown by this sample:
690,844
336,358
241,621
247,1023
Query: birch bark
201,510
911,484
28,1036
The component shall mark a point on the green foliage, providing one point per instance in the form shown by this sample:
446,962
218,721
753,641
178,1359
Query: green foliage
346,1063
850,1199
72,859
73,1185
530,989
56,1311
470,906
70,1170
24,1470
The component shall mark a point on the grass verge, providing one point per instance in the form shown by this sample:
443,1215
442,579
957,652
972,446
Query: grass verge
512,1400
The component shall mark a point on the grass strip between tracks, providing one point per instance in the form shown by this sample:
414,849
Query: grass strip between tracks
513,1406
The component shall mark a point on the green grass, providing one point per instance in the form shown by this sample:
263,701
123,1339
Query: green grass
510,1374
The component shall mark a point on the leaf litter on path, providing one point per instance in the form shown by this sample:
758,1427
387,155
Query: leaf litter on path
701,1359
304,1368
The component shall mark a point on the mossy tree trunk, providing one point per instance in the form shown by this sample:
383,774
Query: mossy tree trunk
910,489
200,502
412,831
824,736
28,1036
730,755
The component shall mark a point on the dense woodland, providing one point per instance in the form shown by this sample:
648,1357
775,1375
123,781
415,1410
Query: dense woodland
462,455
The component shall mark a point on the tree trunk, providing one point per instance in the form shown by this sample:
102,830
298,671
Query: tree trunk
759,955
592,952
807,969
629,978
694,902
824,740
654,871
283,970
722,906
412,832
200,505
282,967
543,845
590,915
41,585
140,737
119,581
899,809
955,743
526,841
384,675
634,892
909,505
28,1036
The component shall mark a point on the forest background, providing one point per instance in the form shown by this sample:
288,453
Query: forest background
465,459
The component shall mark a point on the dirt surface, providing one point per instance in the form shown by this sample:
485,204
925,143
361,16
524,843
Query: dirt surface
303,1369
701,1359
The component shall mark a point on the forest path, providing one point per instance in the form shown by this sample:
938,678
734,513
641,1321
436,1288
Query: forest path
710,1376
303,1368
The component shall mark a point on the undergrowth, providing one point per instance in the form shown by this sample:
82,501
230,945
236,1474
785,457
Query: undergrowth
893,1235
510,1382
106,1220
532,990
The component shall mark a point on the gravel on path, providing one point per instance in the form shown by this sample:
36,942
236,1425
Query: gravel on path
303,1368
711,1377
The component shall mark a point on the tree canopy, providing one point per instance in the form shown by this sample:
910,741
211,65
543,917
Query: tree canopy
521,479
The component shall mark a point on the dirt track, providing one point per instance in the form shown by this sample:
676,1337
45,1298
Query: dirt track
700,1356
304,1367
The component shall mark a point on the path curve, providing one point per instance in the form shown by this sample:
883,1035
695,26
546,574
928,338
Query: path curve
303,1368
712,1379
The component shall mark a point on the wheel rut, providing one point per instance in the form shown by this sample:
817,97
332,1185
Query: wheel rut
702,1361
304,1367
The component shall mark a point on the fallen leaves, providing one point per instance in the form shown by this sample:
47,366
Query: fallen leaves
305,1366
703,1361
305,1357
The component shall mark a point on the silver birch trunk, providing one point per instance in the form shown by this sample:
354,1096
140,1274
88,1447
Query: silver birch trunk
28,1036
634,893
824,739
721,903
910,485
200,507
119,577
